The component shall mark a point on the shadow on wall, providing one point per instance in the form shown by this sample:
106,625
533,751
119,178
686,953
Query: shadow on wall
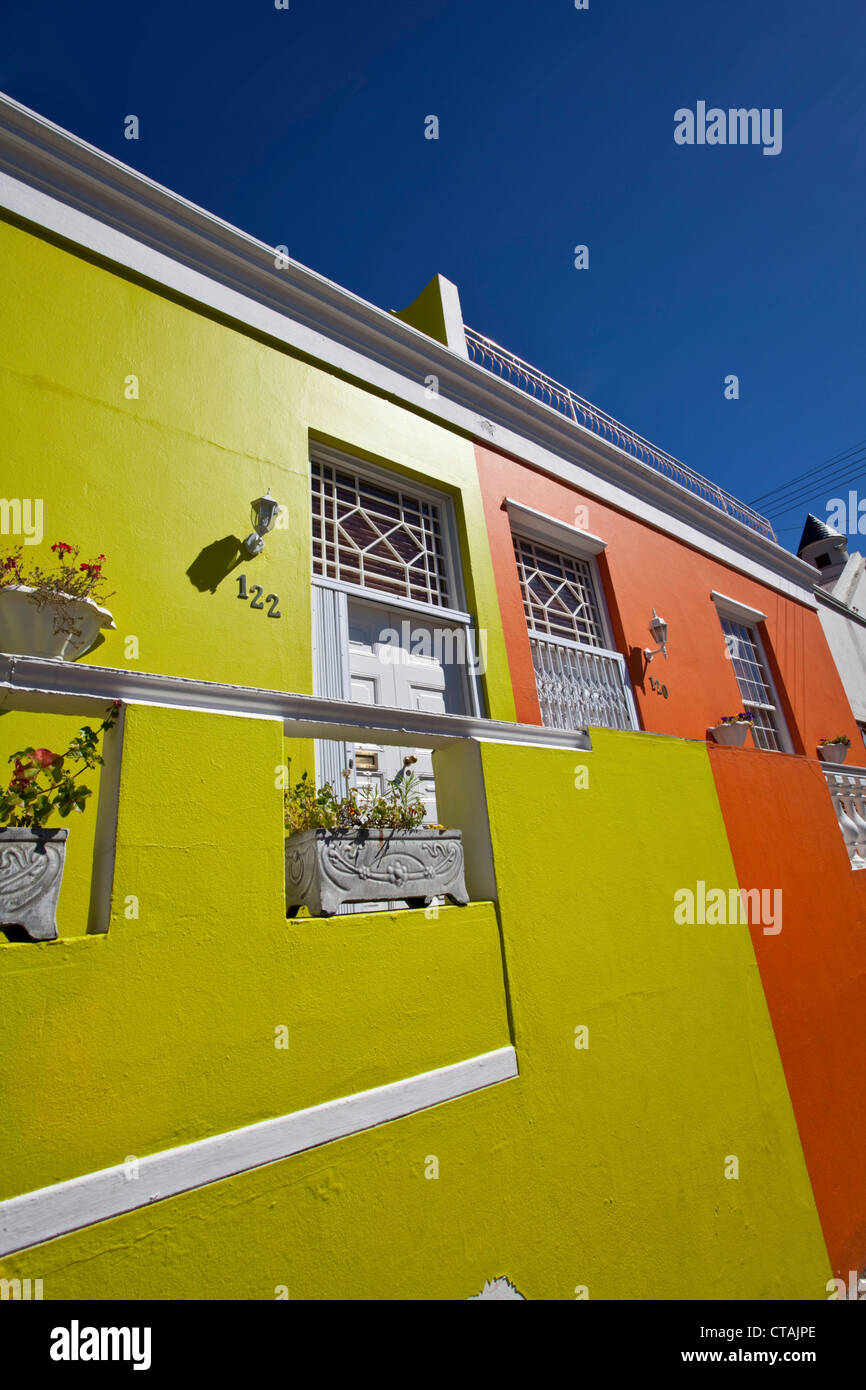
213,564
638,667
98,641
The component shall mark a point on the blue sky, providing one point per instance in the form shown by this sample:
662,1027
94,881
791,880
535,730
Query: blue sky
305,127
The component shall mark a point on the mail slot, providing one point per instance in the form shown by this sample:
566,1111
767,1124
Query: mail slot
367,762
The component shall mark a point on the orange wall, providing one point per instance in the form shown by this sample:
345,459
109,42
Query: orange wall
783,834
643,569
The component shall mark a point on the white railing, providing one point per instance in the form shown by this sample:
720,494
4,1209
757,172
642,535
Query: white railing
848,793
578,687
504,364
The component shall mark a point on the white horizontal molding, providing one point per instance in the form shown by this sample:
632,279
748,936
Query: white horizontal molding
54,1211
50,686
55,181
551,531
829,600
738,612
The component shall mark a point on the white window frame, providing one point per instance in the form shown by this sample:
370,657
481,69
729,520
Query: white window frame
752,619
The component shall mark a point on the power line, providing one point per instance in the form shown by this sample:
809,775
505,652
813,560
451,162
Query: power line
838,480
810,472
828,484
799,498
771,493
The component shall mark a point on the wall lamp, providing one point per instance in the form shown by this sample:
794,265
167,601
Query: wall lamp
659,629
264,512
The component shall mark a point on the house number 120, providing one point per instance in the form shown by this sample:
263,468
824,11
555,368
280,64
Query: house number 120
658,687
256,600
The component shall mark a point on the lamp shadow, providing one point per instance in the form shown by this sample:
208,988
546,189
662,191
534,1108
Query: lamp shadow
213,564
638,666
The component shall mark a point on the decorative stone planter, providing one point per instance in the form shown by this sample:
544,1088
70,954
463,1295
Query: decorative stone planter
31,629
31,868
325,868
731,735
833,752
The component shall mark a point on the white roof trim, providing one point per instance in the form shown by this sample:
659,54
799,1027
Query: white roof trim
740,612
52,179
549,529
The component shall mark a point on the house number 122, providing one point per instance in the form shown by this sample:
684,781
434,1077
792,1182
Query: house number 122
256,600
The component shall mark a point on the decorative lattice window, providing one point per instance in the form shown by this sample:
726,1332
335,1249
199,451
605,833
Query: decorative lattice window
756,688
559,596
378,537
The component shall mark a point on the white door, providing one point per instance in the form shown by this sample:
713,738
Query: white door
396,660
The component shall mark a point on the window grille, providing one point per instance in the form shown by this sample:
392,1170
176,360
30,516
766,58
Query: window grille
579,688
377,537
559,598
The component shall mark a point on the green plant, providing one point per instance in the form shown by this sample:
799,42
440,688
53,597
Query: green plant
840,738
43,782
397,808
61,585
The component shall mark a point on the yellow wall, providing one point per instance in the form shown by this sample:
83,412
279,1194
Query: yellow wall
601,1167
163,1031
154,482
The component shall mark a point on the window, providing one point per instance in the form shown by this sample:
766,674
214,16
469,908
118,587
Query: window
756,687
559,595
378,537
580,680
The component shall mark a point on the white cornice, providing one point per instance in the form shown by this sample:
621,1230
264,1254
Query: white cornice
74,191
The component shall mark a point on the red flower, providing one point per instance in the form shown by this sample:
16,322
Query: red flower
44,757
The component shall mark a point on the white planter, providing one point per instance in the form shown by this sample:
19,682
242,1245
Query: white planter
31,868
833,752
731,735
325,868
31,629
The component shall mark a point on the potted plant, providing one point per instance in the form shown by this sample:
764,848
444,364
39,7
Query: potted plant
51,612
731,729
367,846
32,857
834,750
